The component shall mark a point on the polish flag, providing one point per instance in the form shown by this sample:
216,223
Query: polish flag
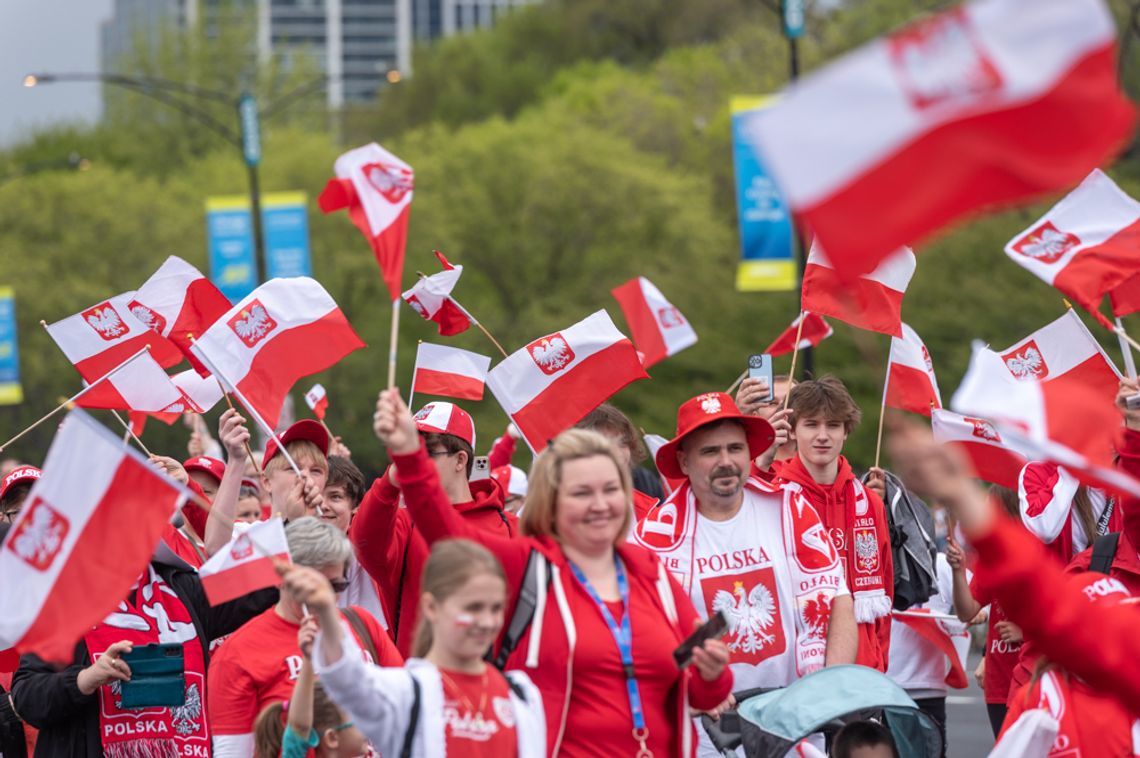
658,328
872,302
101,337
946,633
450,372
199,394
97,498
1086,245
1125,299
318,401
815,330
549,385
999,104
139,384
911,384
376,188
178,302
283,330
247,563
981,441
1063,419
431,298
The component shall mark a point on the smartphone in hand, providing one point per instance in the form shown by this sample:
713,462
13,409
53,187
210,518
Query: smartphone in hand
760,367
712,629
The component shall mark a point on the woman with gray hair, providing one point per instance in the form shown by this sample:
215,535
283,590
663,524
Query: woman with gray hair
258,664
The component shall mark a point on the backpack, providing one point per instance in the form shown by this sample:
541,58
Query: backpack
913,550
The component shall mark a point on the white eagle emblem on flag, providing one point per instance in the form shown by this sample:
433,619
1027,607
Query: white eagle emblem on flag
392,182
1046,243
418,307
984,430
866,551
670,317
551,354
940,60
252,324
149,318
105,320
710,404
1026,363
749,617
38,538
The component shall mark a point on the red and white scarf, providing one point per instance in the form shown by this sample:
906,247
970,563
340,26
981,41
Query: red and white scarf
151,614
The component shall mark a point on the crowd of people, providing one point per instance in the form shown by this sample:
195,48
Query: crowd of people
561,605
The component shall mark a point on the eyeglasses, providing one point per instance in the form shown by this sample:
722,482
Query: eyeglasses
9,516
339,585
439,453
345,725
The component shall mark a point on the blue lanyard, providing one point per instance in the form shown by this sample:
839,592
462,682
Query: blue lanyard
623,637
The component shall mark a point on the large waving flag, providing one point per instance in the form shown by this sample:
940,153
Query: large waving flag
283,330
814,331
101,337
549,385
178,302
450,372
139,385
86,532
247,563
376,188
1086,245
658,328
872,302
998,103
980,439
431,298
946,633
911,384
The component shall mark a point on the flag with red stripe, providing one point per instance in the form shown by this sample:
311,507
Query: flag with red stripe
376,188
946,633
318,401
911,384
549,385
815,330
431,298
139,384
86,533
283,330
872,302
178,302
247,563
450,372
657,327
982,442
983,104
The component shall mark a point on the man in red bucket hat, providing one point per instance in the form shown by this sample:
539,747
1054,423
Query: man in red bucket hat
753,551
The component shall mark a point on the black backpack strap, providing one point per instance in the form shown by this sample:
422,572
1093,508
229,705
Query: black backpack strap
514,687
400,590
1104,552
413,720
357,624
524,607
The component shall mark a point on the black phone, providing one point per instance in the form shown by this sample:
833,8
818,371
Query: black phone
158,676
712,629
760,367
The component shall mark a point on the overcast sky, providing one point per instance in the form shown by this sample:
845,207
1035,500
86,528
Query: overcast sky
47,35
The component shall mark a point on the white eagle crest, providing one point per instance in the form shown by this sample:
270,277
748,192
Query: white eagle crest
185,716
710,404
749,617
106,321
1047,244
551,354
39,541
985,430
1026,365
145,315
254,324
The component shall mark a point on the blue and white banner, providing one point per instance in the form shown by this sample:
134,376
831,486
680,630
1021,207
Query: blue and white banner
229,236
285,221
11,393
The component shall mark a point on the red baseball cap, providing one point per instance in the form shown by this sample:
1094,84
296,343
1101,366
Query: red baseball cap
206,465
446,418
17,476
511,479
305,429
706,409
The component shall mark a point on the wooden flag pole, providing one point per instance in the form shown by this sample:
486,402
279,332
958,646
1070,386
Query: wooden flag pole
392,343
131,433
1126,350
226,395
795,354
1117,329
882,412
471,318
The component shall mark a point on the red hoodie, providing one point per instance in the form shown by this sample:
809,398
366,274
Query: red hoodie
860,531
392,550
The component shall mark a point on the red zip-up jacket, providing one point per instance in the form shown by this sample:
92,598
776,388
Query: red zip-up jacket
392,550
546,652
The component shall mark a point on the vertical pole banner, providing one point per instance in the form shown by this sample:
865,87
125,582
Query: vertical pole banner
285,219
11,393
768,262
229,235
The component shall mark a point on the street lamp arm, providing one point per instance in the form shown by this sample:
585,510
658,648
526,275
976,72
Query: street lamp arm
183,107
159,84
293,95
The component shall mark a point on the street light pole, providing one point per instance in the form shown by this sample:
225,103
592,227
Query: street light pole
250,124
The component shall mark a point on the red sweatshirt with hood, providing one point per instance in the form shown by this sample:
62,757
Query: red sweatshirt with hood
392,550
860,531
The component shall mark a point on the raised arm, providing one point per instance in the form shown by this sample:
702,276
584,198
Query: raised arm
220,526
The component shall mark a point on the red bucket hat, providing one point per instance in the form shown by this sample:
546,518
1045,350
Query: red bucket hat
305,429
706,409
206,465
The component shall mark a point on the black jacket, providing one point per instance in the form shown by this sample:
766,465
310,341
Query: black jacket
49,699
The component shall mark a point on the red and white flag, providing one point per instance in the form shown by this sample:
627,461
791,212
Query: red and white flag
946,633
1062,418
1125,299
318,401
431,298
1086,245
178,302
86,533
376,188
815,330
139,384
872,301
982,442
549,385
246,564
951,96
658,328
450,372
101,337
911,384
283,330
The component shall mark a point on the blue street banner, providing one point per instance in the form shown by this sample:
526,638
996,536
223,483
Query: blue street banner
285,221
285,225
768,259
11,393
